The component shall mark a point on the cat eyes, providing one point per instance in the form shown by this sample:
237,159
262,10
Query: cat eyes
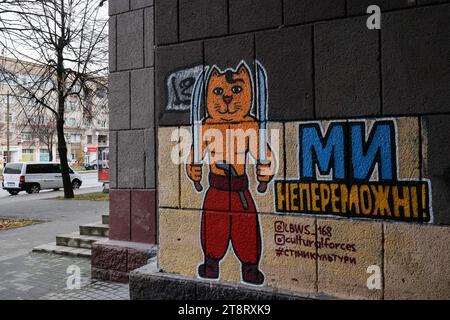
235,89
218,91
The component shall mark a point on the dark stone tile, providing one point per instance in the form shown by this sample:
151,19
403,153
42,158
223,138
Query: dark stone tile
416,51
301,11
202,18
112,44
130,38
142,99
119,100
171,59
355,7
118,6
113,159
137,4
131,159
166,21
119,216
436,166
347,69
149,37
286,54
150,159
248,15
143,216
230,51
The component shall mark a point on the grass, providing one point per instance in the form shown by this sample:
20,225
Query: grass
95,196
8,223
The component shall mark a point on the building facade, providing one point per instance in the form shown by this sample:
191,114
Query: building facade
32,134
348,192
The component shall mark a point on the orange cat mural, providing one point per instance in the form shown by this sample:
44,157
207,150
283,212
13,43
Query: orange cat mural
229,211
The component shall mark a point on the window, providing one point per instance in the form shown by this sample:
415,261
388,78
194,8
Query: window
76,88
27,136
101,123
75,138
102,139
71,122
13,168
27,155
44,155
43,168
89,139
72,106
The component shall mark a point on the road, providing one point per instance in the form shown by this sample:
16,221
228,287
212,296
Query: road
60,216
90,181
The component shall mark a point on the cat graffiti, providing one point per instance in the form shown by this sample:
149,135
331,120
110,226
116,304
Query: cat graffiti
229,213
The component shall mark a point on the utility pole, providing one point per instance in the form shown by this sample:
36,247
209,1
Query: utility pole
7,130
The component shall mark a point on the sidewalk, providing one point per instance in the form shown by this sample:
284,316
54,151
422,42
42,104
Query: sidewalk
31,276
44,277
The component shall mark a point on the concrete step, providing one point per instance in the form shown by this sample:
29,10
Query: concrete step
95,229
76,240
67,251
105,219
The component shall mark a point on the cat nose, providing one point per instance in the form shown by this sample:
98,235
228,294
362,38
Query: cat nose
227,99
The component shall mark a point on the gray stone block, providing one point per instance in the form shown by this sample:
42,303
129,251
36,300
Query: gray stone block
170,59
166,21
346,69
150,158
228,52
202,18
142,99
130,38
355,7
112,44
138,4
301,11
248,15
287,56
147,283
113,159
131,159
149,37
119,100
425,2
415,53
118,6
436,164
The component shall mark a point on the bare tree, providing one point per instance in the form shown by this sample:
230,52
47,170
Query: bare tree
59,48
39,124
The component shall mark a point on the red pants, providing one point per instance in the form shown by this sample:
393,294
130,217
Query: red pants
225,218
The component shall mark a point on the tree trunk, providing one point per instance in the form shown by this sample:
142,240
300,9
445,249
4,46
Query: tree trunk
62,149
50,152
62,146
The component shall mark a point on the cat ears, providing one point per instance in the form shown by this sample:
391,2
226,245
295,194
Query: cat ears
243,68
215,72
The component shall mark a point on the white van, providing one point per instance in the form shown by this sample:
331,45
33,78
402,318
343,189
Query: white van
35,176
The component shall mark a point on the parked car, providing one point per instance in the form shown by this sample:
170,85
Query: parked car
93,165
33,177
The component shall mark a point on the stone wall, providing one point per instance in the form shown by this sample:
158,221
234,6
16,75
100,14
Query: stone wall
324,68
